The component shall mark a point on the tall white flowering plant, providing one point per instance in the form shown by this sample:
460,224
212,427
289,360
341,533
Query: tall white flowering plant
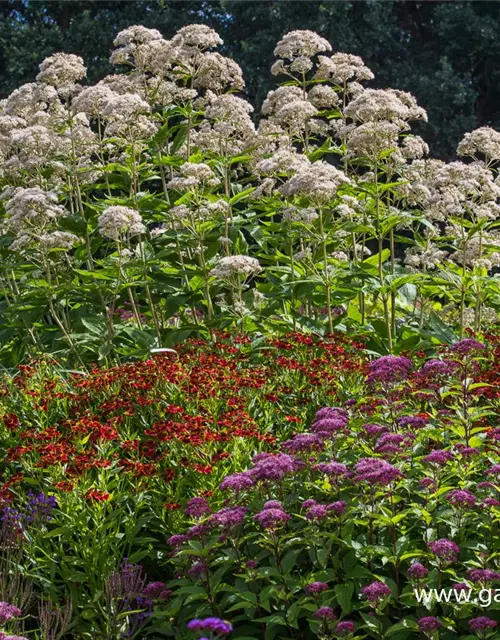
159,202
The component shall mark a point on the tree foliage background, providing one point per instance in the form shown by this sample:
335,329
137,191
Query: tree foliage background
445,53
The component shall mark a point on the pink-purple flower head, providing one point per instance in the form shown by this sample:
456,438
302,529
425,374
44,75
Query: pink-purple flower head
272,504
482,623
490,503
154,592
337,508
469,452
439,457
8,611
427,482
375,592
229,517
215,625
325,613
494,470
376,471
461,498
390,443
333,469
4,637
272,518
274,466
237,482
332,413
483,576
412,422
417,571
389,369
307,504
317,512
197,507
327,428
303,443
446,550
199,530
177,540
315,588
375,429
467,347
438,369
198,570
329,421
428,624
344,628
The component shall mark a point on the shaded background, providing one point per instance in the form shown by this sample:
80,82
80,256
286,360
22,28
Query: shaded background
446,53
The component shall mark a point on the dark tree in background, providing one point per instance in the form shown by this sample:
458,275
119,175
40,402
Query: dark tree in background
445,53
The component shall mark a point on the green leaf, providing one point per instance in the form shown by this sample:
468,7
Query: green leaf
344,593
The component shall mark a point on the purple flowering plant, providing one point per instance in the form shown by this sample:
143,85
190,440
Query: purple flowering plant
322,532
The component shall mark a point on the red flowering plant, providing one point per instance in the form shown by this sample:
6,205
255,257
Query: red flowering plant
115,454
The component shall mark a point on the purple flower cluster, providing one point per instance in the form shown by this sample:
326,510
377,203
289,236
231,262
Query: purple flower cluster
152,593
303,443
376,471
483,575
40,508
315,588
428,623
439,457
215,625
482,623
461,498
177,540
375,429
237,482
445,550
389,369
315,511
229,517
467,347
272,516
412,422
197,507
333,469
275,467
417,571
325,613
329,421
375,592
392,442
345,627
198,570
8,611
438,369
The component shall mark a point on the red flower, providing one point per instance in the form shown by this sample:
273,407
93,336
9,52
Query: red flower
203,468
64,485
170,506
11,421
98,496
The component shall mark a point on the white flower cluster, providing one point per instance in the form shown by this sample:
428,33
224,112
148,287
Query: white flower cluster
240,266
117,222
484,141
319,181
342,68
31,217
